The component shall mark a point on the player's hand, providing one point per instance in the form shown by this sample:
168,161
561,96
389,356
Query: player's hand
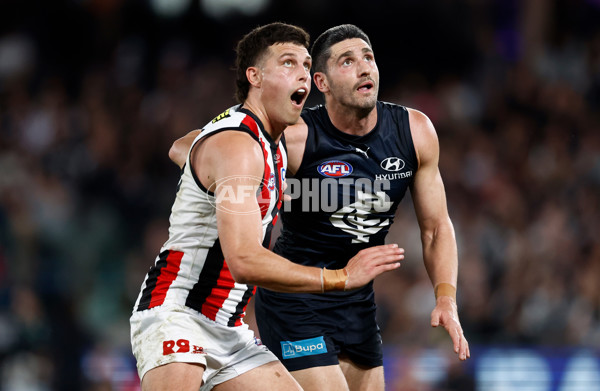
371,262
445,313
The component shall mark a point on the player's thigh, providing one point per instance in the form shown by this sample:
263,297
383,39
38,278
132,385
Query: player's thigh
326,378
361,378
268,377
174,376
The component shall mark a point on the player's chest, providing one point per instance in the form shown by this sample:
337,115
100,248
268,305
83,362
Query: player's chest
378,160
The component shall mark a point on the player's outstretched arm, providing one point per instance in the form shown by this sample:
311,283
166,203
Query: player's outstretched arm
180,148
437,233
240,227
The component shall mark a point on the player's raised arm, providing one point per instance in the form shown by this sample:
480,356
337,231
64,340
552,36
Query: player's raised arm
295,141
437,233
295,136
180,148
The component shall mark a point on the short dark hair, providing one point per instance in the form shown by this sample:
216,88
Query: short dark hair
321,50
254,45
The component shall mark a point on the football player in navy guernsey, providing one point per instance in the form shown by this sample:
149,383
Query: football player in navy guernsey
370,152
187,329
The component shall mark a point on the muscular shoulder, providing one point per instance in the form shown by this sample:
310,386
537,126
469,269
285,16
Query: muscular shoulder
228,153
424,137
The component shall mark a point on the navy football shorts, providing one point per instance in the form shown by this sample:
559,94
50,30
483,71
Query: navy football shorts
306,331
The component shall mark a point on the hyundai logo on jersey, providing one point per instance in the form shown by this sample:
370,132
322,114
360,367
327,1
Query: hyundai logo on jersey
305,347
392,164
335,169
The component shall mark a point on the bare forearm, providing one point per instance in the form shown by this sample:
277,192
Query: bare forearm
440,254
267,269
441,260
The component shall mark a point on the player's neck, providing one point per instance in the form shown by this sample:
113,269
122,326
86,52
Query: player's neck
351,120
273,130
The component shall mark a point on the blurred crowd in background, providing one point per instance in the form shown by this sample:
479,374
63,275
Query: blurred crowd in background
93,93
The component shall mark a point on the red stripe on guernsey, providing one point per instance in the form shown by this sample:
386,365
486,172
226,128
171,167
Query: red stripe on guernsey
218,294
265,196
250,123
166,277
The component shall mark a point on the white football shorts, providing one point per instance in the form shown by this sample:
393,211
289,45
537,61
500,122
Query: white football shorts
161,336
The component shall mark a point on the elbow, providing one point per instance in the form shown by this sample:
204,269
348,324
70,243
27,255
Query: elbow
429,231
176,156
240,267
432,233
172,153
427,237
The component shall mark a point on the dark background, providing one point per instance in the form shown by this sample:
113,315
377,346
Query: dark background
93,93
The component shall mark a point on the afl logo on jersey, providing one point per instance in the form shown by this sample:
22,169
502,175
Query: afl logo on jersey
335,169
392,164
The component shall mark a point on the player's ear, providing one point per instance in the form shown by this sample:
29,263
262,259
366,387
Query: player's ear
254,76
321,82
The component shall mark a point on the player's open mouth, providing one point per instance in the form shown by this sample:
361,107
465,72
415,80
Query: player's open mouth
364,87
298,96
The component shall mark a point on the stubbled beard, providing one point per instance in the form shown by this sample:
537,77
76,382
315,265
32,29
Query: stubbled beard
369,104
360,106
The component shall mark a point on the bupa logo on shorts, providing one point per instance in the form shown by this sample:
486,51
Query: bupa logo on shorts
392,164
305,347
335,169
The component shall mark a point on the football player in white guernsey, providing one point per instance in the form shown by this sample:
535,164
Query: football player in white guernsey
346,73
187,331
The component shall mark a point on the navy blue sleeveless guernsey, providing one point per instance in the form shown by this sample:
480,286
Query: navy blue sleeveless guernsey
344,197
350,188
